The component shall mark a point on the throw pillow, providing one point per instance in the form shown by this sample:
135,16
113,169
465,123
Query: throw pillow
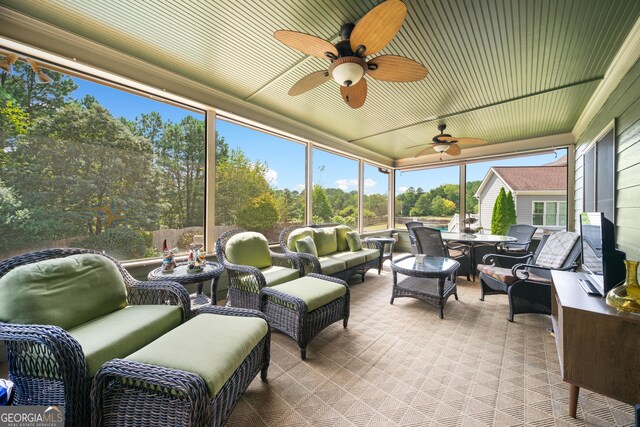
306,245
354,242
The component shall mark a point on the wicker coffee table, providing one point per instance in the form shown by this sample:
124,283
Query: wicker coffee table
211,271
429,281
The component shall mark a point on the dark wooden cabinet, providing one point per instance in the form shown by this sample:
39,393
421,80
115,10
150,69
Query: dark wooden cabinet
598,347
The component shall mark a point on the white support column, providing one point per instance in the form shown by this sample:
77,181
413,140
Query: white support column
571,187
391,205
462,209
210,182
360,195
309,183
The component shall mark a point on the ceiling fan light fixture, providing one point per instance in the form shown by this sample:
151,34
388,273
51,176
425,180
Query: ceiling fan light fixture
348,70
441,148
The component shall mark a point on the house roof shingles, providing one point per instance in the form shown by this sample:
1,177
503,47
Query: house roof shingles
550,177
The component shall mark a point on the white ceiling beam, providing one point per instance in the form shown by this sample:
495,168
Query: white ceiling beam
625,59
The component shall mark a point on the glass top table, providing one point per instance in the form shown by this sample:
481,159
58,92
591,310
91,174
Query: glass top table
431,280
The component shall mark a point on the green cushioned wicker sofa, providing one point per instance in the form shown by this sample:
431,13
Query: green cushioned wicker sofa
65,312
334,257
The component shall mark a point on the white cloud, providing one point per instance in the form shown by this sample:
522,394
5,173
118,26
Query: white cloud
346,184
402,189
369,183
300,188
271,176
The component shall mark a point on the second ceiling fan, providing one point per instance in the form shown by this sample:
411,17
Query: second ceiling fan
445,143
348,57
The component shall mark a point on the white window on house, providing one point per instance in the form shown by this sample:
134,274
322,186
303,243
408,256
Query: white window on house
549,214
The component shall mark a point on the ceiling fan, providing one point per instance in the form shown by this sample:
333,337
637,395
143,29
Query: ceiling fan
445,143
348,57
11,58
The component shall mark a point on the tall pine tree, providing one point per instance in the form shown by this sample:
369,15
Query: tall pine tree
499,213
511,212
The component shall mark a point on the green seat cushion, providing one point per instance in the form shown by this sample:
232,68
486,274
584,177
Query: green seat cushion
354,242
275,275
370,254
122,332
351,259
64,292
314,292
248,248
329,266
297,234
325,239
306,245
341,237
212,346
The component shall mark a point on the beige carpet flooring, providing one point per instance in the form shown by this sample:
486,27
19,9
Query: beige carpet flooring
401,365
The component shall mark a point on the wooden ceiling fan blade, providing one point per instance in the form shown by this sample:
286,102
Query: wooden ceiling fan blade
306,43
428,150
393,68
355,95
446,138
309,82
378,27
454,150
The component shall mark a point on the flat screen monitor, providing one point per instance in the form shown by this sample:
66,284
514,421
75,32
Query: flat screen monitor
600,259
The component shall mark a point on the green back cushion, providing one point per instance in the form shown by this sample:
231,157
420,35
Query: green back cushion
326,241
249,248
354,242
341,237
306,245
296,235
64,292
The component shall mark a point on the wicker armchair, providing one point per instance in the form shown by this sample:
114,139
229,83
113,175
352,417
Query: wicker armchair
245,281
46,363
412,236
524,279
524,233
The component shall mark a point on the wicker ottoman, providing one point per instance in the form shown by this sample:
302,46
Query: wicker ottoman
303,307
192,376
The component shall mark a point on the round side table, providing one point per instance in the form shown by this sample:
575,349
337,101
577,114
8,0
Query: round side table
211,271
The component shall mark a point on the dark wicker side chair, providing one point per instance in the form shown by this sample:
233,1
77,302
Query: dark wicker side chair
524,233
412,236
251,266
527,279
429,242
46,363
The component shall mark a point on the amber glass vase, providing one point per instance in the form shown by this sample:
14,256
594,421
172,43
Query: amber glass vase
626,297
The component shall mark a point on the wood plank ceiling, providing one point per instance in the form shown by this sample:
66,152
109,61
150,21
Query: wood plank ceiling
501,70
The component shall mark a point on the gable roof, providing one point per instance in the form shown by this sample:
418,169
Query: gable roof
551,177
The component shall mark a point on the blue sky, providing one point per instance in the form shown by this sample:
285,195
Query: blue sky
285,159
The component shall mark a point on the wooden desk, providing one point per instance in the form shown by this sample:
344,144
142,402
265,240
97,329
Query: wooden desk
598,347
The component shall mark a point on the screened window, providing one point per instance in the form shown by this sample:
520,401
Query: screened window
552,214
259,181
87,165
599,188
335,189
376,198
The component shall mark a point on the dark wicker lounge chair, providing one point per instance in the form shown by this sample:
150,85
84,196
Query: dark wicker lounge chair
245,281
525,279
46,363
412,236
429,242
524,233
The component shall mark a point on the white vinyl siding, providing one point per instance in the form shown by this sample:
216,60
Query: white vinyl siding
487,199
